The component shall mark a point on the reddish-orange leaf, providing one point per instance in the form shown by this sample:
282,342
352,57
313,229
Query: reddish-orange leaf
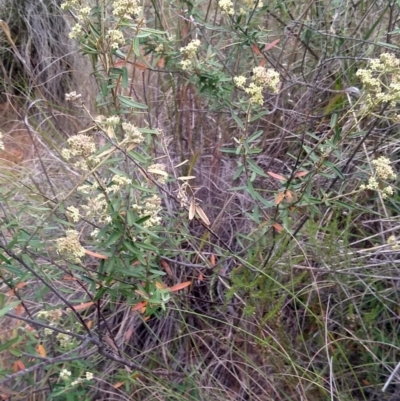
289,196
19,310
301,174
120,63
139,307
18,365
128,334
83,306
272,44
20,285
263,62
277,176
41,350
212,260
279,197
160,286
146,318
69,278
180,286
255,48
108,340
278,227
124,63
136,263
161,62
118,385
200,277
96,255
167,269
89,324
11,293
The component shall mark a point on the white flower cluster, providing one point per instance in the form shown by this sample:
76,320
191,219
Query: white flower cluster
73,213
239,81
97,208
383,172
72,96
107,124
116,38
83,13
132,134
266,78
392,241
255,93
113,121
226,7
383,169
51,315
70,246
126,9
158,170
374,79
65,374
151,208
64,340
82,146
189,53
97,205
118,181
68,4
262,79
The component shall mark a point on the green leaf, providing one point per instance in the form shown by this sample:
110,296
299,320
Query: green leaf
388,45
8,344
259,115
238,172
343,204
130,247
125,77
136,156
152,31
112,239
329,164
228,150
255,136
144,229
88,49
118,172
334,119
136,46
15,352
100,293
238,121
147,247
8,307
255,168
4,259
129,102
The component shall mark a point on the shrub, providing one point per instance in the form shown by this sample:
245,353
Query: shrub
221,222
